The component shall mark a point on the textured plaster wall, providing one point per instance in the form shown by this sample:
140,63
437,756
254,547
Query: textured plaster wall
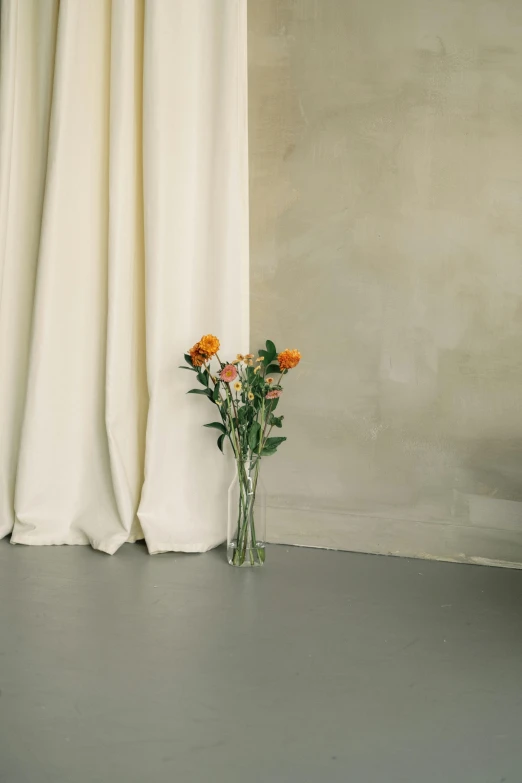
386,243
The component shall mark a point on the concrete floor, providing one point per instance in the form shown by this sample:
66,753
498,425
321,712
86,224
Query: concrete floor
324,666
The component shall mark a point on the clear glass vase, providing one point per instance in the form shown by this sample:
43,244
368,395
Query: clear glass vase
246,534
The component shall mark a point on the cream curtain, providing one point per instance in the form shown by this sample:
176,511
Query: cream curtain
123,238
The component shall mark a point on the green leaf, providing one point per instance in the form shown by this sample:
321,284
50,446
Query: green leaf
216,425
187,358
215,394
273,443
270,353
191,369
276,421
265,356
205,392
272,368
268,452
274,404
253,435
220,442
203,378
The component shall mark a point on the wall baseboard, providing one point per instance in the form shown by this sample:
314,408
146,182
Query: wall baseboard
432,540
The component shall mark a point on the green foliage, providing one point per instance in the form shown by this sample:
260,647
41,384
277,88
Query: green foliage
247,416
217,425
254,434
270,354
270,446
188,359
205,392
271,349
273,443
191,369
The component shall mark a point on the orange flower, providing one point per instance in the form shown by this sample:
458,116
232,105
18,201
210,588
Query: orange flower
198,358
204,350
289,359
209,345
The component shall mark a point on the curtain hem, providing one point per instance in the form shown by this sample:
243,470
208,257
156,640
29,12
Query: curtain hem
109,546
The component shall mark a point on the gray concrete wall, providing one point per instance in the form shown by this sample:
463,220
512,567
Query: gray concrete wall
386,243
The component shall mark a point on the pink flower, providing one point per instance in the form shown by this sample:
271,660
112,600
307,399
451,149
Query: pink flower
272,395
228,373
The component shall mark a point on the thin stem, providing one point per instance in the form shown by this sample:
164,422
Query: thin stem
265,437
238,555
262,423
246,515
237,448
249,527
235,412
266,434
230,399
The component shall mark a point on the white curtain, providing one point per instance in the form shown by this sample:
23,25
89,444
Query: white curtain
123,238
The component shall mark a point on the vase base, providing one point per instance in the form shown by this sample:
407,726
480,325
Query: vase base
246,557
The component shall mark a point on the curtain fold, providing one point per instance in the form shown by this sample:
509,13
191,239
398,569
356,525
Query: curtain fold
124,236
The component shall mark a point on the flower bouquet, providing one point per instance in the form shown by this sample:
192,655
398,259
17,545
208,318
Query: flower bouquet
246,393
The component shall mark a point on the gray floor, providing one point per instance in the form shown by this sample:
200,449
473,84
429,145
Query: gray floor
324,666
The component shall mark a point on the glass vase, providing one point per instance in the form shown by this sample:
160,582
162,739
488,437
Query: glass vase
246,534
